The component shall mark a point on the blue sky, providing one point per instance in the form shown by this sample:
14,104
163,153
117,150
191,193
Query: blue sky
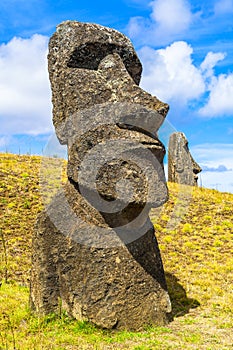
187,54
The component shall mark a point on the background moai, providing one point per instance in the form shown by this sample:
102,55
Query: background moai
182,168
95,254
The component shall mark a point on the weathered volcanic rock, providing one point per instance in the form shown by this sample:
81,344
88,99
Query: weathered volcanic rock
92,273
94,249
91,65
182,168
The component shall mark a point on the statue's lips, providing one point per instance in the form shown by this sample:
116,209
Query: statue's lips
142,130
151,146
145,138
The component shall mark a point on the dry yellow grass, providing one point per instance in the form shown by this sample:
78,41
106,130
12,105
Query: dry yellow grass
194,229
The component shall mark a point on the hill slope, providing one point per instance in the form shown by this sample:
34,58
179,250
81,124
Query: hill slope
194,229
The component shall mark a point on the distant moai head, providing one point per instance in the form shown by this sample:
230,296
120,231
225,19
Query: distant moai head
182,168
109,123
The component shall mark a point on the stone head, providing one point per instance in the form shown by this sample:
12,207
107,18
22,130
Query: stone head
107,121
182,168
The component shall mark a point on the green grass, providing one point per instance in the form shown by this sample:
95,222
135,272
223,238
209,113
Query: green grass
194,229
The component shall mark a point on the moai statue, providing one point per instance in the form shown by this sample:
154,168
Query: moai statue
182,168
95,253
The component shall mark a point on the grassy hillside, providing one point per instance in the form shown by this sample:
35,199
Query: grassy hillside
194,230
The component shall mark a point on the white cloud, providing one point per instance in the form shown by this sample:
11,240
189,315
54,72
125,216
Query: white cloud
223,7
172,16
212,155
170,73
221,168
25,105
210,62
220,101
168,20
219,88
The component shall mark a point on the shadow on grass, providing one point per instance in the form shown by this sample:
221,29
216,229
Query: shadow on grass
181,304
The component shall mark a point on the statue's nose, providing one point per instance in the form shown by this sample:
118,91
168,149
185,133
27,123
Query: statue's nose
196,167
124,89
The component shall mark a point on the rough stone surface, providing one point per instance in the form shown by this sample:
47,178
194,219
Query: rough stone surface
95,253
90,65
182,168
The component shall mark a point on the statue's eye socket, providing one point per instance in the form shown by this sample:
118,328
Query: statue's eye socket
86,56
89,56
186,147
